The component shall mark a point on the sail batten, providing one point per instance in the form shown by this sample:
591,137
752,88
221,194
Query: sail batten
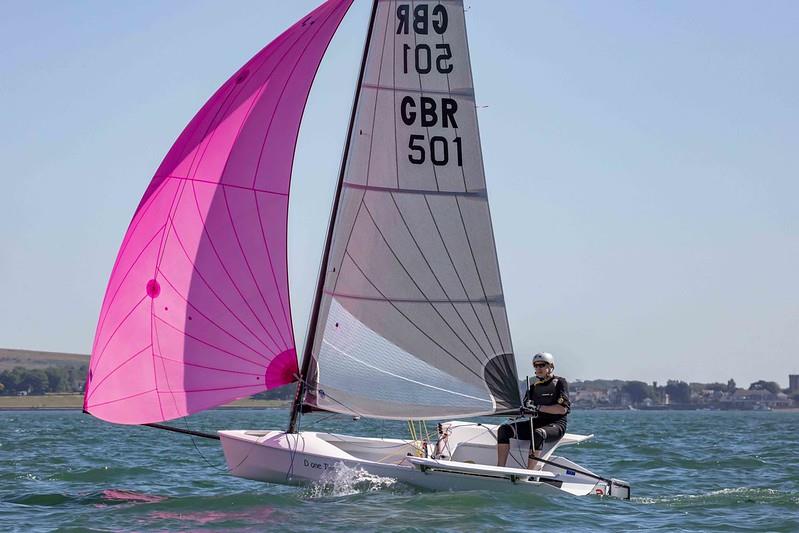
412,320
201,279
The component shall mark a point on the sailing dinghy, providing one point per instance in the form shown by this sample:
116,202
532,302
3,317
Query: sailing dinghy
409,319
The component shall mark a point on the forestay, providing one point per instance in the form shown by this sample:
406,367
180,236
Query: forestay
196,312
412,320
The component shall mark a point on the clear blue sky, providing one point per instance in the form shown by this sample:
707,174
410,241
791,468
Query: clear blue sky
642,160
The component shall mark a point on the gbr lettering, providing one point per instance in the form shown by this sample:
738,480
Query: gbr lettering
425,111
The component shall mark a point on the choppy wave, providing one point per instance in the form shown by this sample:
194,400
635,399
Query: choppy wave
729,496
343,480
69,470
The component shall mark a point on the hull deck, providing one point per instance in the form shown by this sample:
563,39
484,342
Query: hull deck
466,461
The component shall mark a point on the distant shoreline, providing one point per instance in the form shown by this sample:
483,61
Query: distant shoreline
73,402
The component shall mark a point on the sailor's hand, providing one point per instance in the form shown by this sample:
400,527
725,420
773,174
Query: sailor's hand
530,409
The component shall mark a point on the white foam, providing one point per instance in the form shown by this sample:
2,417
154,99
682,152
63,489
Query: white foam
343,480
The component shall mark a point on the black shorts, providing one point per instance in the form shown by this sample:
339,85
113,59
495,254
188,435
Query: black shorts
521,430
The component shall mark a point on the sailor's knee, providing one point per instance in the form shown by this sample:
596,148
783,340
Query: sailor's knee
504,434
539,438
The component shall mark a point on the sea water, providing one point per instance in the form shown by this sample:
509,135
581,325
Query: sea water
723,471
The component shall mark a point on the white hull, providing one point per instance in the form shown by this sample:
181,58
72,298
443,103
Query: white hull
466,463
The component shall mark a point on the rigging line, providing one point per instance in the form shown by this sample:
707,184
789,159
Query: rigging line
348,409
227,273
315,422
219,298
371,141
411,322
222,330
392,374
383,237
488,209
249,267
184,431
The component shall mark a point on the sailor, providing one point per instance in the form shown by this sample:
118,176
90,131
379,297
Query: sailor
547,403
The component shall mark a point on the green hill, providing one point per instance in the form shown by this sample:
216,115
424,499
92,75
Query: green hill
10,358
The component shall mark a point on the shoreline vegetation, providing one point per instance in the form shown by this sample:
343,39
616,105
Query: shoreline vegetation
74,401
50,380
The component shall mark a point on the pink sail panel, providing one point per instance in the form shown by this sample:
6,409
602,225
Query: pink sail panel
196,312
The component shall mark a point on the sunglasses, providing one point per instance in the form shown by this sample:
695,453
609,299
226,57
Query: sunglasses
540,365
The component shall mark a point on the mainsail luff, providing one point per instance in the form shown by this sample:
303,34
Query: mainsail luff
307,356
196,313
412,321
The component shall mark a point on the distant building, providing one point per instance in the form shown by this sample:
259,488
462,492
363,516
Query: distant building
793,382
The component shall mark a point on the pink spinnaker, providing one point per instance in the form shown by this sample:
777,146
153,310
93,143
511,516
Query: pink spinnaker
196,312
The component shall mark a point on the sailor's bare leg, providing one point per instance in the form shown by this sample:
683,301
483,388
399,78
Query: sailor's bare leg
502,454
532,464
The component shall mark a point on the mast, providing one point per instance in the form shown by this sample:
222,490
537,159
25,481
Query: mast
312,324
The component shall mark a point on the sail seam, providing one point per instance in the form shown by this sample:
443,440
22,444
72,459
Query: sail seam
438,187
477,193
342,352
227,273
460,213
121,399
197,365
132,227
95,387
283,89
211,289
481,193
226,185
411,322
396,258
279,292
249,268
467,94
493,299
368,159
158,318
113,298
235,338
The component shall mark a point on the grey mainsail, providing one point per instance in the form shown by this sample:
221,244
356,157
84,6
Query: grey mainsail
412,320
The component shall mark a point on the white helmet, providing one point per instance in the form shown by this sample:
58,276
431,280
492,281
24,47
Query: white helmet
544,357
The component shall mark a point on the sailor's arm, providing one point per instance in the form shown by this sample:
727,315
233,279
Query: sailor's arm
556,409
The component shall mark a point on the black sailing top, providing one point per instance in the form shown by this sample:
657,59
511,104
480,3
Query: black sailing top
553,390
